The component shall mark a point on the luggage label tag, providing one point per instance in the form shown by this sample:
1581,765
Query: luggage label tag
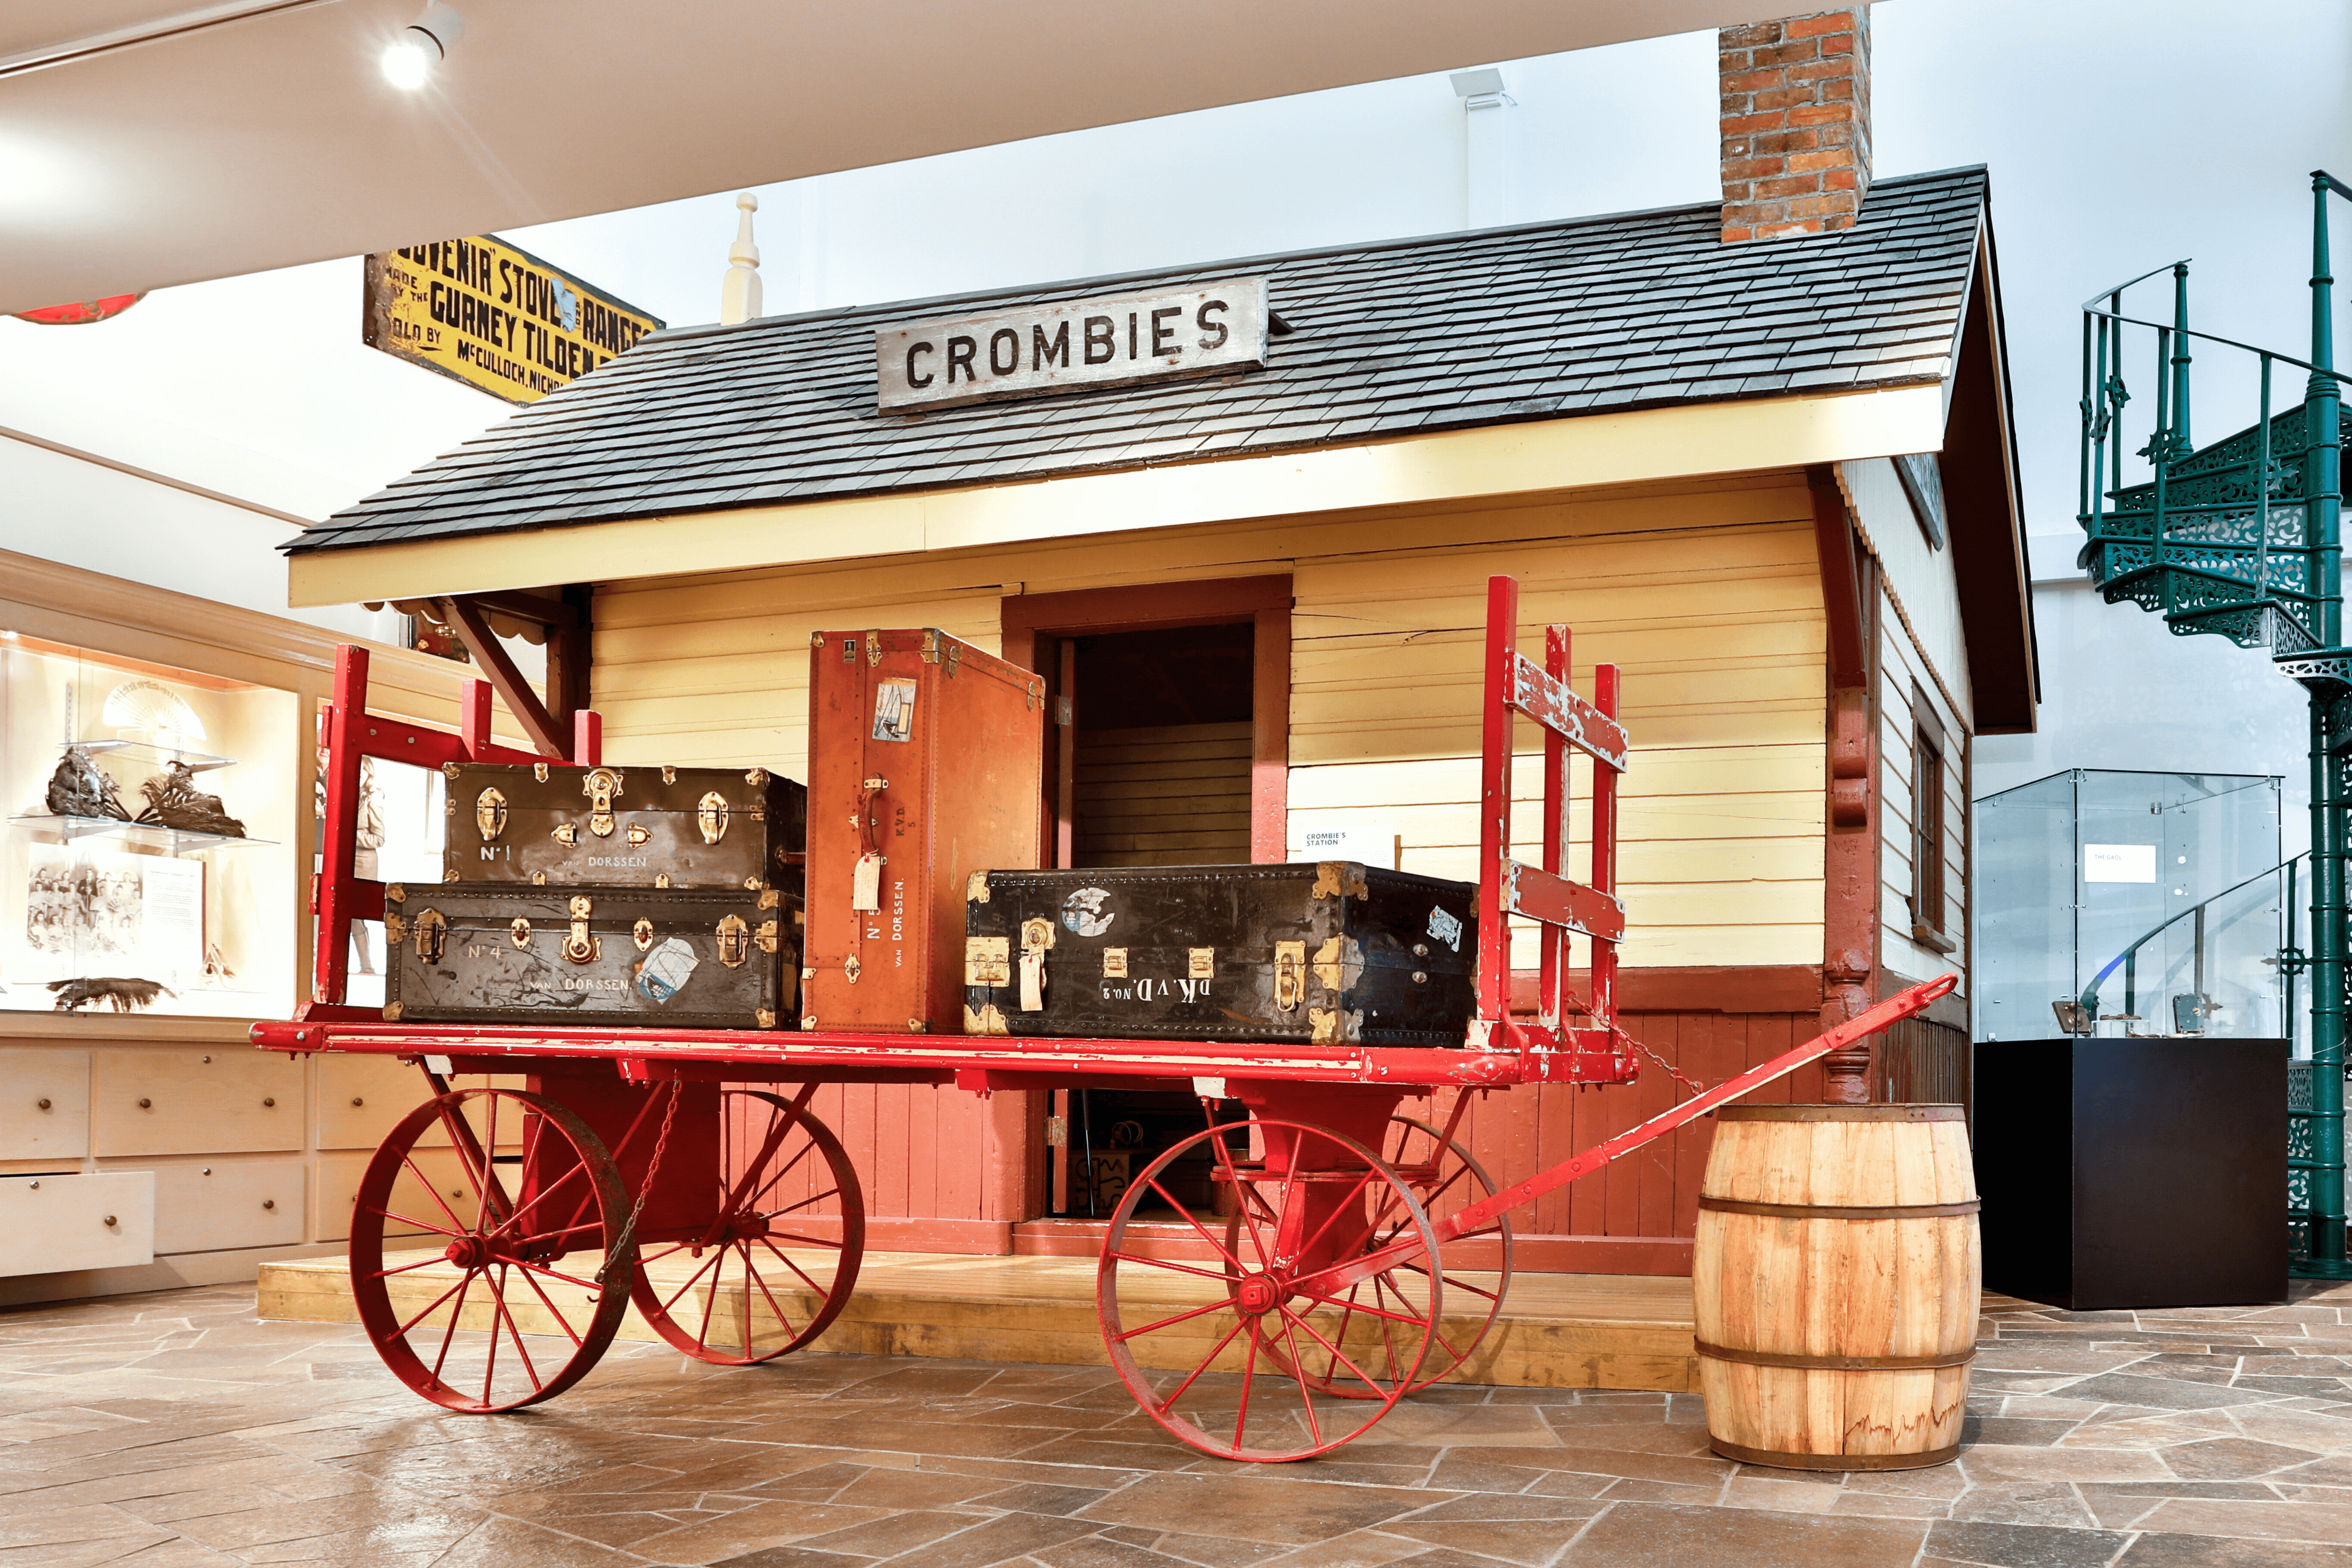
1036,940
866,883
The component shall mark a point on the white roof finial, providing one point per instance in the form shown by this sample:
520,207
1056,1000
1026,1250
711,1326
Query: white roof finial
738,295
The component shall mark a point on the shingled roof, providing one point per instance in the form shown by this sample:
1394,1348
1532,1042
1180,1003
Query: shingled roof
1400,338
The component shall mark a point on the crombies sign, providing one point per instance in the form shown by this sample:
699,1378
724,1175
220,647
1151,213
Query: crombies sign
1036,349
494,317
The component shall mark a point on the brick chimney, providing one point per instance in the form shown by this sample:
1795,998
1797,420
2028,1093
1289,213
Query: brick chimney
1795,123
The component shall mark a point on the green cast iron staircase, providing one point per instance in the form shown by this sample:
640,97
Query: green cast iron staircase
2240,538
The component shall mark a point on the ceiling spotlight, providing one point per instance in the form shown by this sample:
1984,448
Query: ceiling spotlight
409,59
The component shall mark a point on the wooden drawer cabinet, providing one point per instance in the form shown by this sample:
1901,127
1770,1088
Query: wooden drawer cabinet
360,1097
229,1204
339,1182
50,1223
226,1101
44,1105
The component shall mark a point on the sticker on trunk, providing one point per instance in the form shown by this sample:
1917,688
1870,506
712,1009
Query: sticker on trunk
894,709
1446,927
666,969
1087,912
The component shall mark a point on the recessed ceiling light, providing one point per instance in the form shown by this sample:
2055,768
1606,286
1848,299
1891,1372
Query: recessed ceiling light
408,60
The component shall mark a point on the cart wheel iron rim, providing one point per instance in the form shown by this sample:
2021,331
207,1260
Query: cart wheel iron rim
778,1166
504,1311
1206,1331
1444,1176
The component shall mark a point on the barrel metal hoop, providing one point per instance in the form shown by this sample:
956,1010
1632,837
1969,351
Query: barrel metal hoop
1829,1211
1837,1363
1834,1461
1841,1114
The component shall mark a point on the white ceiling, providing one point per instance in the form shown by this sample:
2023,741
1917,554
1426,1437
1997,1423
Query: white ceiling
274,140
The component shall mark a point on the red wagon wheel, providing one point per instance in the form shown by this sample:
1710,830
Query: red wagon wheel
1444,1176
507,1310
1214,1336
777,1166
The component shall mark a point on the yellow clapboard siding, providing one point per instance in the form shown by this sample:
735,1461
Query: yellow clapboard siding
1700,770
1759,724
1172,554
1359,660
1706,595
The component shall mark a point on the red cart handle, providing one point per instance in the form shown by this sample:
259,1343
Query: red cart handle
1895,1009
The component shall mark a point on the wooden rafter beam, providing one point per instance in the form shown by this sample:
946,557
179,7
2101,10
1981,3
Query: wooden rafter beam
465,617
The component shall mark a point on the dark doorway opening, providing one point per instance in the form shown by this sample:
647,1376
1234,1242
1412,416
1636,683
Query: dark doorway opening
1160,749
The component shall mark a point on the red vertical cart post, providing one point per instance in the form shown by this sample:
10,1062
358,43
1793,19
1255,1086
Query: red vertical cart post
1513,685
339,894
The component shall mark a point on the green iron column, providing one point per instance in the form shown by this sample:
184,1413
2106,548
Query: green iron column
2323,502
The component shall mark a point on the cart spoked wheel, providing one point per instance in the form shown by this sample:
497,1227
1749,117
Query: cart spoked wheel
1444,1176
506,1309
762,1280
1205,1342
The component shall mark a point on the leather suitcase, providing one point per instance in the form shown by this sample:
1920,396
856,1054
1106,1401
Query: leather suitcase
709,958
926,764
546,824
1334,953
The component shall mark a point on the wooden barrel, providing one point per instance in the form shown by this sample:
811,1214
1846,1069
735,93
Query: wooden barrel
1836,1281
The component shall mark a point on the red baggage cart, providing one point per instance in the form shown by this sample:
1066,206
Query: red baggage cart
684,1171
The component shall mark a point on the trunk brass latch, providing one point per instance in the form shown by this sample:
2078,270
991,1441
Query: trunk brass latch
642,933
600,786
432,931
568,834
518,932
580,947
491,814
1289,974
638,835
734,941
710,815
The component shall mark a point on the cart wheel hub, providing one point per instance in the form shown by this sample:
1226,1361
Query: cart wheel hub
468,1251
748,1226
1260,1294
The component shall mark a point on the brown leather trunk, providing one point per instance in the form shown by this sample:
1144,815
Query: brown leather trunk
553,825
925,764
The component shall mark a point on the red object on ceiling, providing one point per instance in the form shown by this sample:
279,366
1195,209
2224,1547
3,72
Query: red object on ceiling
82,313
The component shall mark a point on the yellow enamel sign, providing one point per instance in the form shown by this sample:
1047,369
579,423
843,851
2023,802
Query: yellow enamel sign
481,312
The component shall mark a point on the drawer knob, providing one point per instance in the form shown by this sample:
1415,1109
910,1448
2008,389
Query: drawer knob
146,1105
269,1203
109,1219
357,1100
269,1101
44,1103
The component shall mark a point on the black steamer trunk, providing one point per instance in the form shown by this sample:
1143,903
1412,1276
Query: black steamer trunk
710,959
556,825
1334,953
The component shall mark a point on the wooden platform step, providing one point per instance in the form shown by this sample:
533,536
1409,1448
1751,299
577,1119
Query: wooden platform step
1557,1330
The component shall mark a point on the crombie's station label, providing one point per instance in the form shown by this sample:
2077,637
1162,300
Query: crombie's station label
496,318
1035,348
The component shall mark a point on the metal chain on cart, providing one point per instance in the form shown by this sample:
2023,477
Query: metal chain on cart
628,1235
1654,1056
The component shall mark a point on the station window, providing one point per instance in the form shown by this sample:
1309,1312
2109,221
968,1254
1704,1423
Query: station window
1927,844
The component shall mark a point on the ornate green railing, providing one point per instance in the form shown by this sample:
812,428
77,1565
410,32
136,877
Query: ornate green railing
2241,540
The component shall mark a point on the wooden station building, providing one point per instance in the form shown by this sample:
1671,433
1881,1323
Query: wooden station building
1775,481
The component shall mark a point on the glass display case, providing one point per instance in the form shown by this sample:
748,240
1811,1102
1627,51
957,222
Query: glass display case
148,865
403,814
2160,895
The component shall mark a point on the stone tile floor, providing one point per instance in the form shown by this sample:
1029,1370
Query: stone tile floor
174,1430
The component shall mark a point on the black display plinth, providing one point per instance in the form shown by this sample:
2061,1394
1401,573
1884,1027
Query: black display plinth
2120,1174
